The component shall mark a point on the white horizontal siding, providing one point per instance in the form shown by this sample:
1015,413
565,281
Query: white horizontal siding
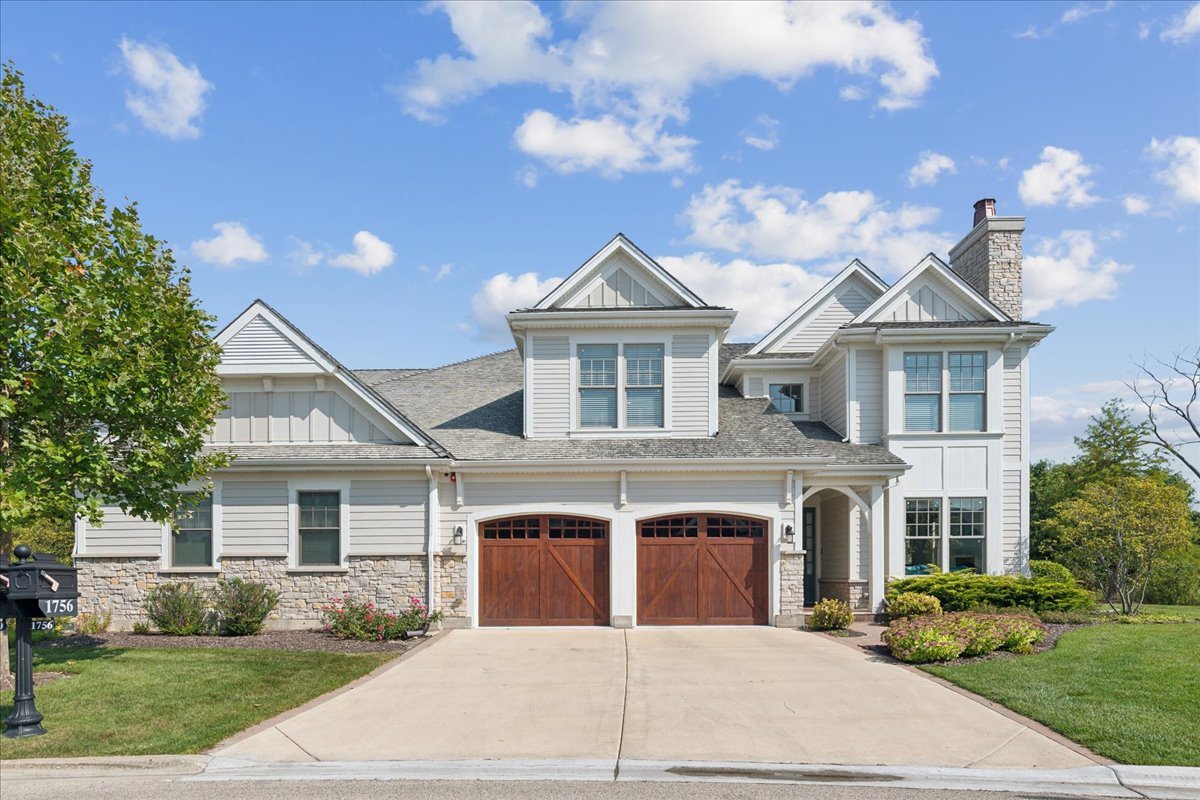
816,329
833,394
121,533
551,392
293,416
254,517
661,488
1015,547
387,517
512,490
1013,404
691,384
834,536
868,389
260,342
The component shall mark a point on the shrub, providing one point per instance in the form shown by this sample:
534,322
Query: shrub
987,608
920,640
959,591
141,628
351,618
1020,634
1149,619
242,606
830,615
91,624
982,633
180,609
912,604
1067,617
1050,571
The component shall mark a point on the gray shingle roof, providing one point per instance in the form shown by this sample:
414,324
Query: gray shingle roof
251,453
475,410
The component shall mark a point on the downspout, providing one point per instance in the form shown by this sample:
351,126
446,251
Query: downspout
431,543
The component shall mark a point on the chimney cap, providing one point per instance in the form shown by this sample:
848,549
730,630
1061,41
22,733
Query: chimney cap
983,209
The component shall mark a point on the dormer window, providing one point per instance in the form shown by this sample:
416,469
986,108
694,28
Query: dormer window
644,385
621,386
598,385
788,398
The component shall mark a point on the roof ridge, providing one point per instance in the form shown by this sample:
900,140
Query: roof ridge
464,361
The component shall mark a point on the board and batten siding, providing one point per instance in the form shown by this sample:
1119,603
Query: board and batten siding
254,517
551,393
839,309
260,342
925,303
868,390
387,517
691,384
1013,404
833,394
121,534
291,416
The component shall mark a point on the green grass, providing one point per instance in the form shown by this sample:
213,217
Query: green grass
142,701
1128,692
1191,612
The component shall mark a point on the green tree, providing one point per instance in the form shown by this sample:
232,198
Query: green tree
1050,483
1120,532
1112,447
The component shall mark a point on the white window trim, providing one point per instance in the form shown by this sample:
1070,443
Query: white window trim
990,532
993,365
804,412
575,430
164,561
297,485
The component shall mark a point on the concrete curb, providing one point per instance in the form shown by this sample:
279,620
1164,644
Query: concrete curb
103,767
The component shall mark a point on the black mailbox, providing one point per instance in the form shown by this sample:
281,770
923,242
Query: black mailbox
40,587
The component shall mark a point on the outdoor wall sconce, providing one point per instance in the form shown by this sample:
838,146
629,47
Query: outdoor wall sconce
789,534
458,535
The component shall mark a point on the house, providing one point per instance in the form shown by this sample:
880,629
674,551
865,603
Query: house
623,464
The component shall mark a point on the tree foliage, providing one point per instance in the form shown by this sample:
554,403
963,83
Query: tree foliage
1119,532
108,368
1170,396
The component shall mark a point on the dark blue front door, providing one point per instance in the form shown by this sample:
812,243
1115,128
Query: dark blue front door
809,543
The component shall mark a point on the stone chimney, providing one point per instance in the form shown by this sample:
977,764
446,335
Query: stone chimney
989,257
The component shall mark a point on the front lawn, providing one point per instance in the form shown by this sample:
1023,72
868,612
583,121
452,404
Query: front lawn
118,701
1128,692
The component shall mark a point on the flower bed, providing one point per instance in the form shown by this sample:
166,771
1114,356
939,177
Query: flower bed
944,637
351,618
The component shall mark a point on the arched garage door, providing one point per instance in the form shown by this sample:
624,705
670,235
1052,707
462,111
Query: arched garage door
703,569
543,570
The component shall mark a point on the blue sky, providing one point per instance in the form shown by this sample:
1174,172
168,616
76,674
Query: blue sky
393,177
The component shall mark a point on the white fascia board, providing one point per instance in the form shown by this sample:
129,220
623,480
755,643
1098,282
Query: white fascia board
620,242
737,366
332,465
901,335
640,465
260,309
270,369
932,263
639,318
855,267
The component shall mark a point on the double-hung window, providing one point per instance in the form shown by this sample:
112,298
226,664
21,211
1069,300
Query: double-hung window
922,534
788,398
644,385
922,391
968,525
598,385
191,543
320,528
968,386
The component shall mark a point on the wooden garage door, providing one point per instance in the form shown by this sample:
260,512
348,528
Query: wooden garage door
705,569
543,570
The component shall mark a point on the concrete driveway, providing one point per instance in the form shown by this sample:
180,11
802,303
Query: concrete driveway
657,694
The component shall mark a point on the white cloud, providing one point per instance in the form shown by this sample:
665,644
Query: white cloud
168,97
305,255
1060,177
1182,171
501,294
232,243
764,135
776,222
1066,270
528,176
763,294
371,255
633,66
1183,27
929,165
852,93
1032,32
441,272
1081,11
1135,204
607,144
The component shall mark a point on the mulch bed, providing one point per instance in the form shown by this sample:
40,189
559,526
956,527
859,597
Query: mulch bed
267,640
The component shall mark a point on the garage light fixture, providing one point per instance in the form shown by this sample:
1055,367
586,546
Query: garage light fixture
458,535
789,534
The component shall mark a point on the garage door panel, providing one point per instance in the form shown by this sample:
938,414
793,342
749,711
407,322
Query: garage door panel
576,589
735,577
509,586
668,582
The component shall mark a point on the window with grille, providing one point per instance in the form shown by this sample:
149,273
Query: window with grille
644,385
320,528
671,528
734,528
922,391
192,533
922,534
788,397
576,528
968,385
512,528
598,385
967,533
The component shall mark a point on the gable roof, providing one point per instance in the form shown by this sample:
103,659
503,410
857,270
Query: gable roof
779,333
666,289
288,350
936,271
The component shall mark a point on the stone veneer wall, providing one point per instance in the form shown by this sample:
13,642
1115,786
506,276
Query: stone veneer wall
451,574
992,264
120,585
853,592
791,590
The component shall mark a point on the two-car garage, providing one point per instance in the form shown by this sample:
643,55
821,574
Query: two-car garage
692,569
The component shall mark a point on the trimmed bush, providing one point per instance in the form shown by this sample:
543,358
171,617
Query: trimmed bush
1020,633
982,634
242,606
1020,611
1149,619
959,591
180,609
831,615
351,618
1050,571
913,604
920,640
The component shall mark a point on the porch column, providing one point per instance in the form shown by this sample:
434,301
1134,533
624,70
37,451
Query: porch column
875,581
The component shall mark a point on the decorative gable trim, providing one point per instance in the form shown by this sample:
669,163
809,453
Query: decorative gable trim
669,290
286,350
936,273
784,330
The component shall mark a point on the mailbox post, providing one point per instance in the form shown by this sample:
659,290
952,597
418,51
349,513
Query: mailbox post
33,586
